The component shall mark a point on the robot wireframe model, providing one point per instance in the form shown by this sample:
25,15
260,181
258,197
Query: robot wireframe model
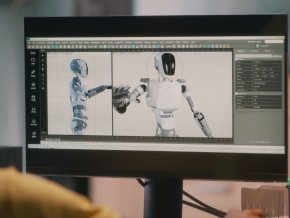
163,97
79,95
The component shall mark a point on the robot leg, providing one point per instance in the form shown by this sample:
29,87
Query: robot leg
78,125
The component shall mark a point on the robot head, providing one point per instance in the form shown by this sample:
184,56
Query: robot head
165,64
80,67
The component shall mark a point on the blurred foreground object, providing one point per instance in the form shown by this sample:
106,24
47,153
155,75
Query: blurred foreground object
29,196
237,213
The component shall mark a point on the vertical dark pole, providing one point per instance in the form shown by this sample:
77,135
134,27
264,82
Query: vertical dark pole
163,198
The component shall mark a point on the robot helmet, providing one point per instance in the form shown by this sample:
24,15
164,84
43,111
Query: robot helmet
165,64
79,66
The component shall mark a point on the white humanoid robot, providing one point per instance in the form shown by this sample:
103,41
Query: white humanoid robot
163,97
79,95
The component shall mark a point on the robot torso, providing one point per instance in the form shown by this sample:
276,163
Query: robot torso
77,93
164,97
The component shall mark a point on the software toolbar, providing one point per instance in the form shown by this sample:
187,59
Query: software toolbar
145,43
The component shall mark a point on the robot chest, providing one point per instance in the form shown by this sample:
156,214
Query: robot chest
164,96
77,95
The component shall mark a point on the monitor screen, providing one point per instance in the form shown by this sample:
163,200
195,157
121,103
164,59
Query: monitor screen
157,96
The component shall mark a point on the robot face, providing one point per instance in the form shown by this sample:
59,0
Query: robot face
165,64
80,67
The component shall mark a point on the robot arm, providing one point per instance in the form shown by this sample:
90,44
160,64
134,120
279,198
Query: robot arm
92,92
199,117
138,91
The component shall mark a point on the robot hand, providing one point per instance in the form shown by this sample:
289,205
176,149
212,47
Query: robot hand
203,124
121,98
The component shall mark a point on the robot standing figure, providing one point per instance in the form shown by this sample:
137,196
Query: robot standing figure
163,97
79,95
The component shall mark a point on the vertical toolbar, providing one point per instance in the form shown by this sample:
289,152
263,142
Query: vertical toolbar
32,93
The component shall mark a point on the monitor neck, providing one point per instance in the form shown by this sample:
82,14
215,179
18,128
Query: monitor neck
163,198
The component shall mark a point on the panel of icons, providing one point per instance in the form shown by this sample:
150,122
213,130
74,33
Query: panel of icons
32,68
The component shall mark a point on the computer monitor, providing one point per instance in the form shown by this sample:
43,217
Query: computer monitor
180,97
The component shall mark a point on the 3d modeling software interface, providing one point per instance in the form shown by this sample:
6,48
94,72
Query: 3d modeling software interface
203,94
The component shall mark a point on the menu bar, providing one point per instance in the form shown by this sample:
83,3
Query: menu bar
150,42
123,45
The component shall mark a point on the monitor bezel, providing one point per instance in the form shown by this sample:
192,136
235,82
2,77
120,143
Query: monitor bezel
153,164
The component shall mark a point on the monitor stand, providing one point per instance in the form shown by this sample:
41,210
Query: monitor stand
163,198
